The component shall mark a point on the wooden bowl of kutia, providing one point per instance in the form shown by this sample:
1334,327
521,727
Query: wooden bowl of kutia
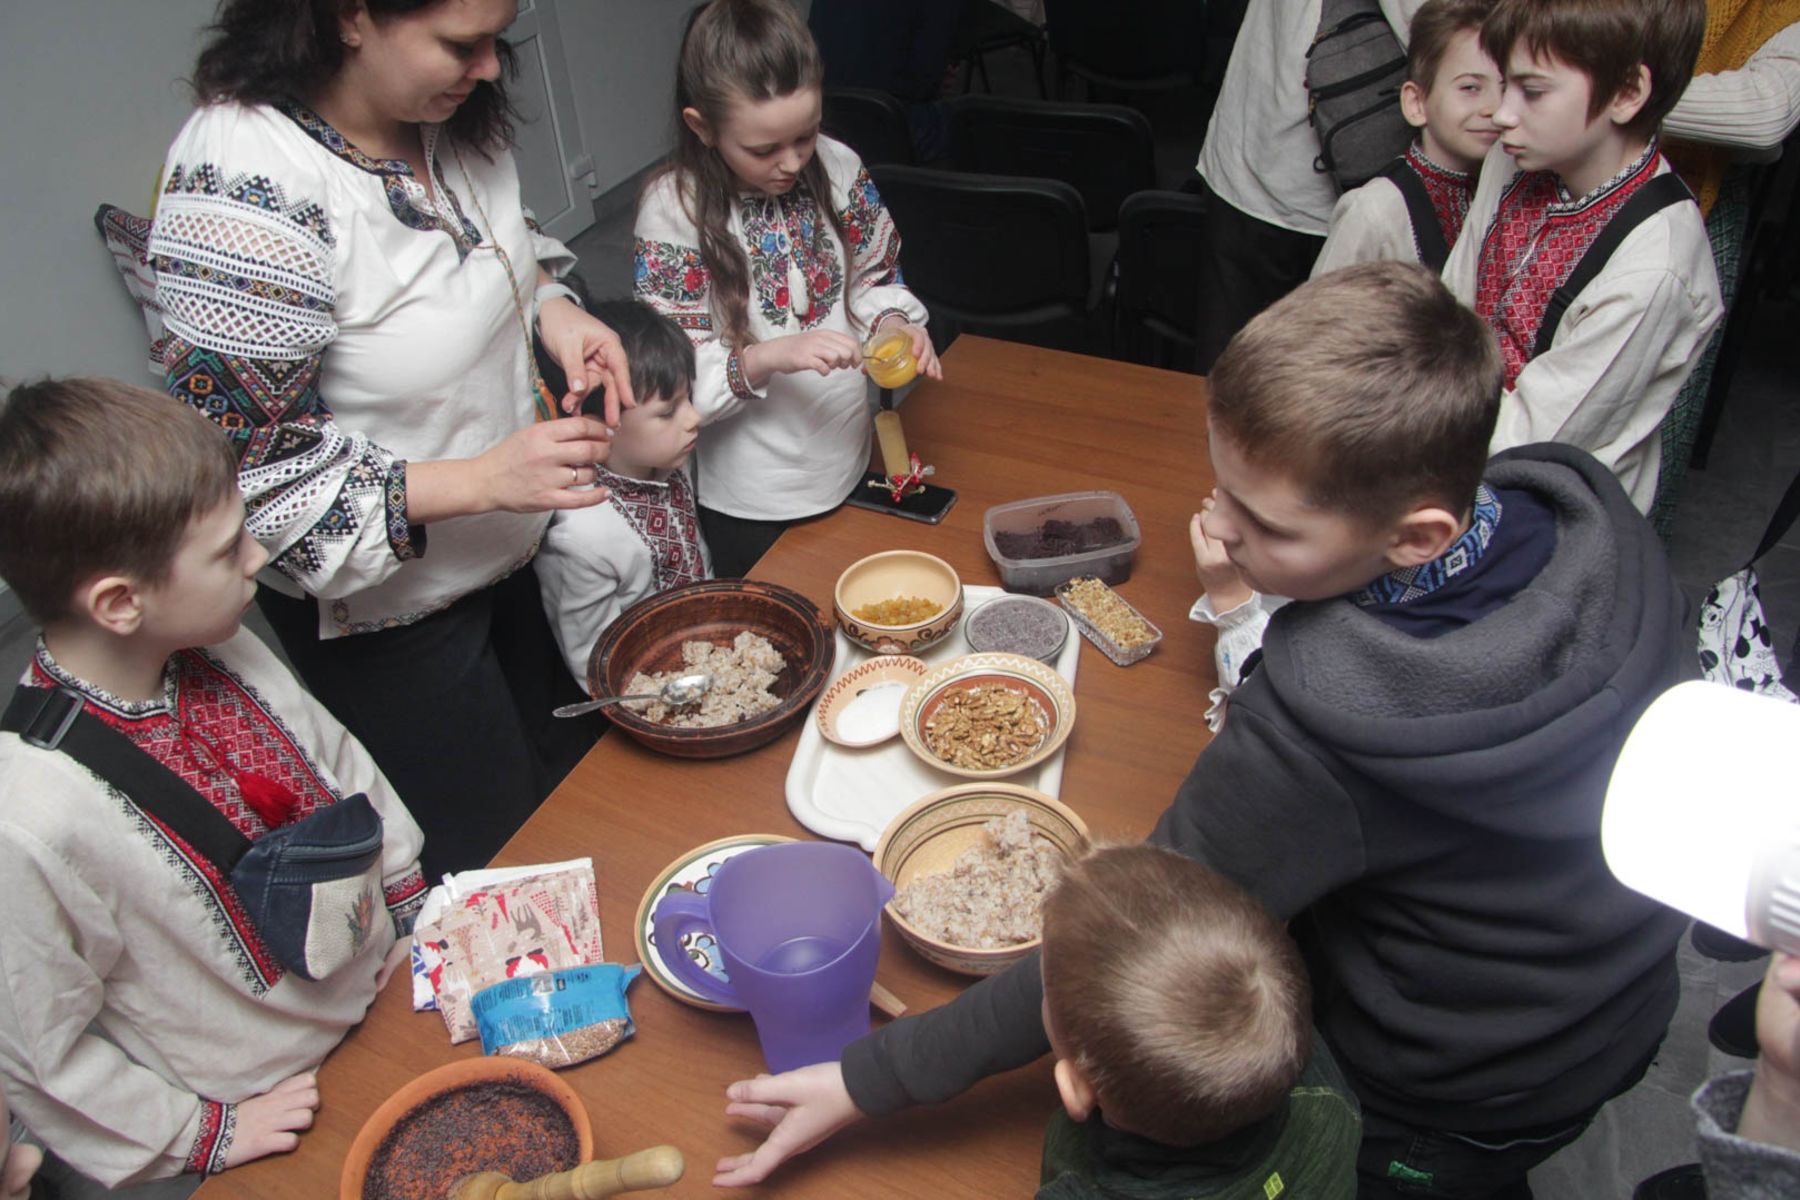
648,637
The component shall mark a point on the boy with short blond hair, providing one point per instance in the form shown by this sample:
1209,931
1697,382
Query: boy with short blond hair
1412,773
1414,210
1132,936
147,1030
1587,256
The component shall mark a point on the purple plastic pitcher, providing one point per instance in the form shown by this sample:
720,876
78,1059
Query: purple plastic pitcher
798,929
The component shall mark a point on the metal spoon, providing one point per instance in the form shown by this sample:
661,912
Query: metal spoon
683,689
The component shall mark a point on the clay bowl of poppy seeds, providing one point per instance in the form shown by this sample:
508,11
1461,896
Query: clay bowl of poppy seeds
477,1114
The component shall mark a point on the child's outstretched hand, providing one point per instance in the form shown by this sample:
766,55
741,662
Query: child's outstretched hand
801,1108
1218,578
269,1123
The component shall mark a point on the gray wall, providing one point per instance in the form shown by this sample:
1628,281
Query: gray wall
91,93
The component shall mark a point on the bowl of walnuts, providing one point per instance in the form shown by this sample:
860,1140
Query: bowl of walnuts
985,716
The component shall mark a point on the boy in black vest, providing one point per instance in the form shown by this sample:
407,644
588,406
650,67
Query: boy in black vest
1586,255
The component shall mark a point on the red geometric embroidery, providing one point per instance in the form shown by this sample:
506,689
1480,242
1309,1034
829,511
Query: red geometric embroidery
234,719
1532,246
663,517
207,1154
1450,191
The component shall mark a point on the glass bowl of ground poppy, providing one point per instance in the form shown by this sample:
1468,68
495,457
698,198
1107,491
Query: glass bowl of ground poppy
1039,543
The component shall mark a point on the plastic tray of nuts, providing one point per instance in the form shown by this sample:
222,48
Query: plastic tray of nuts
1106,619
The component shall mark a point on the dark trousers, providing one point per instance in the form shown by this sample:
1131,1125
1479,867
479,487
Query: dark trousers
1245,266
454,708
735,543
1398,1160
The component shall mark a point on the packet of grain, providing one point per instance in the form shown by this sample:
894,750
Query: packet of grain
557,1019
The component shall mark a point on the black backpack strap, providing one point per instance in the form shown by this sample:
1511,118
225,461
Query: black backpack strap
1780,522
1428,235
1646,202
53,719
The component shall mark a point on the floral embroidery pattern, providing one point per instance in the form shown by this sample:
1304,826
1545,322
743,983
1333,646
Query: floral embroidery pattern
783,232
674,279
874,241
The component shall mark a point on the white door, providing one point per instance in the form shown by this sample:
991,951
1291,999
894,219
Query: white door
556,174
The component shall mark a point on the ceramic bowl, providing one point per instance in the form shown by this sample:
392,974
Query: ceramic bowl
888,576
467,1072
1047,690
933,833
891,669
648,636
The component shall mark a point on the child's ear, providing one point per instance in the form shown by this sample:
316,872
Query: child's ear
113,602
1412,104
1077,1094
1422,535
693,120
1629,100
350,16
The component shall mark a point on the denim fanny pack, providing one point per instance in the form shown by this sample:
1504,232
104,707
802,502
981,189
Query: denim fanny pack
311,888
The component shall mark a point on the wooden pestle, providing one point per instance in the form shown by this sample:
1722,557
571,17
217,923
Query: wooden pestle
656,1167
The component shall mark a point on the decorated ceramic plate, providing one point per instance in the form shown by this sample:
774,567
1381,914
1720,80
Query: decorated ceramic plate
692,872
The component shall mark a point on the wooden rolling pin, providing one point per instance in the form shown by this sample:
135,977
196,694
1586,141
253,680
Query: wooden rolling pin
656,1167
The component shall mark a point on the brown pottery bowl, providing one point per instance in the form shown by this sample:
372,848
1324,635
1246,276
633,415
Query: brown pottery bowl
1046,690
464,1073
932,834
648,636
889,576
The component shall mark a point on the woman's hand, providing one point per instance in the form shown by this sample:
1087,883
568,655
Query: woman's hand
541,467
801,1109
269,1123
922,350
821,350
1219,579
589,353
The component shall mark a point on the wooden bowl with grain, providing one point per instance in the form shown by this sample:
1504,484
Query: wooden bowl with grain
648,637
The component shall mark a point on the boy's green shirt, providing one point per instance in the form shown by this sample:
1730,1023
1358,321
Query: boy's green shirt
1306,1149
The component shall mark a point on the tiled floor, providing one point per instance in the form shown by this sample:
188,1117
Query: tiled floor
1723,511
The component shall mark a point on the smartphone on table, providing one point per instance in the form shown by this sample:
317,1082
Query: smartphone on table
928,503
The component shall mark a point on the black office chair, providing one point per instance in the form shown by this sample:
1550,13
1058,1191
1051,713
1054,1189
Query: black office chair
985,28
871,123
1157,289
1103,151
1127,45
989,252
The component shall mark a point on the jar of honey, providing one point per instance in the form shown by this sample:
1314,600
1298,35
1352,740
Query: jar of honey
888,358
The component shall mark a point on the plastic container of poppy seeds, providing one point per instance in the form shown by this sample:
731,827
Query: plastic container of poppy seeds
1040,543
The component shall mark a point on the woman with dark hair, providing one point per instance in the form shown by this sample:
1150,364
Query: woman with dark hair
350,285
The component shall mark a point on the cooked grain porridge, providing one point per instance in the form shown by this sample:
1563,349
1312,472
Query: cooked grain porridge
742,674
991,896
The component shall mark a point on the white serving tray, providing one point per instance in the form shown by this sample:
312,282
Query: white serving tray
851,795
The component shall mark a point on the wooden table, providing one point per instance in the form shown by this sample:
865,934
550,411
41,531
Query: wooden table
1010,421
